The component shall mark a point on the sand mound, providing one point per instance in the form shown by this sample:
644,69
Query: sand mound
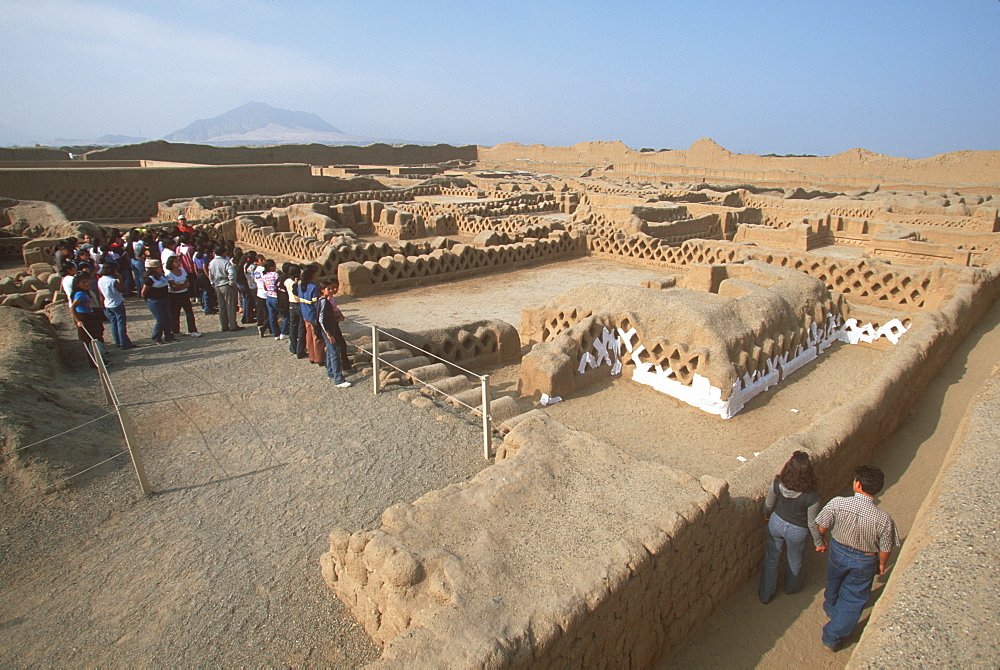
33,405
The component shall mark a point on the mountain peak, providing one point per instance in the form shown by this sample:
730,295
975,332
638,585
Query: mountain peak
258,121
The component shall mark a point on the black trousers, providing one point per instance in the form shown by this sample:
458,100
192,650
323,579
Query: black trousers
338,336
179,301
262,319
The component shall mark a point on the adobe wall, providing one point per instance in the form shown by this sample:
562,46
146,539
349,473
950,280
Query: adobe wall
477,343
714,351
706,160
358,279
32,154
133,193
313,154
951,546
864,281
513,569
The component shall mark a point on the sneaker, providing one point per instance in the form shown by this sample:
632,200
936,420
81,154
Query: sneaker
260,331
277,339
195,334
343,385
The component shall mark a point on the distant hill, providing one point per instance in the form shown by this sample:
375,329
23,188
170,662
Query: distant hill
260,123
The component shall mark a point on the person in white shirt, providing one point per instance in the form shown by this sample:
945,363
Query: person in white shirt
109,284
69,270
168,251
258,276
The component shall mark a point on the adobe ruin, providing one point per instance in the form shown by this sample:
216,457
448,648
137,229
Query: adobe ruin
762,264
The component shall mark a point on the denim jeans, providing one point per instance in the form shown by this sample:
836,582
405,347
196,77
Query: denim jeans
849,575
119,329
160,309
274,314
208,303
138,271
779,534
333,368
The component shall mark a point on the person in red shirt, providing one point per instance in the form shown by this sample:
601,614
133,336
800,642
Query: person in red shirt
183,226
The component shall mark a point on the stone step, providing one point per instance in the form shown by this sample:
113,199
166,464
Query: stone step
503,409
395,355
428,373
450,385
383,345
407,364
473,397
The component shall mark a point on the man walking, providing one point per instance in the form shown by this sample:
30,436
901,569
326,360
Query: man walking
222,274
861,539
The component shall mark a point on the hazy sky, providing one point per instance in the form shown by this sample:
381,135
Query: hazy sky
911,78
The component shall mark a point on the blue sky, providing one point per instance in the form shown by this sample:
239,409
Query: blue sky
902,78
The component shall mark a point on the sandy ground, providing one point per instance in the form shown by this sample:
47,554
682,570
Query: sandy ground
498,296
786,633
654,426
254,457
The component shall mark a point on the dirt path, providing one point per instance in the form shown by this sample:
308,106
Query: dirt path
786,633
255,458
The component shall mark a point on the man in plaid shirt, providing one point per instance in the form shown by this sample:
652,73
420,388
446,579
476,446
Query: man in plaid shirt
861,538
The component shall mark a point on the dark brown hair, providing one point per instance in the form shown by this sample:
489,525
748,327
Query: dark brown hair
870,478
798,474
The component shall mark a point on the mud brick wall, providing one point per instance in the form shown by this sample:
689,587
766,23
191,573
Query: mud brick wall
313,154
863,281
485,342
133,193
358,279
253,233
260,202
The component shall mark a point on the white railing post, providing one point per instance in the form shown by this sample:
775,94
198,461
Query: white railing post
487,431
102,372
375,357
129,431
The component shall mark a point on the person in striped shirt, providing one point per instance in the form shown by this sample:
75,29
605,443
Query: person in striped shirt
860,541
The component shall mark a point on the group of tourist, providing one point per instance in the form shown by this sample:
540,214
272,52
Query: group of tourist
170,268
286,303
857,537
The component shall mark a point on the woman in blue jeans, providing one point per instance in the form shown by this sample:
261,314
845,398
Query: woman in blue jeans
790,510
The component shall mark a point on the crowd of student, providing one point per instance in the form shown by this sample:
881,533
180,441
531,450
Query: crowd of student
170,268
